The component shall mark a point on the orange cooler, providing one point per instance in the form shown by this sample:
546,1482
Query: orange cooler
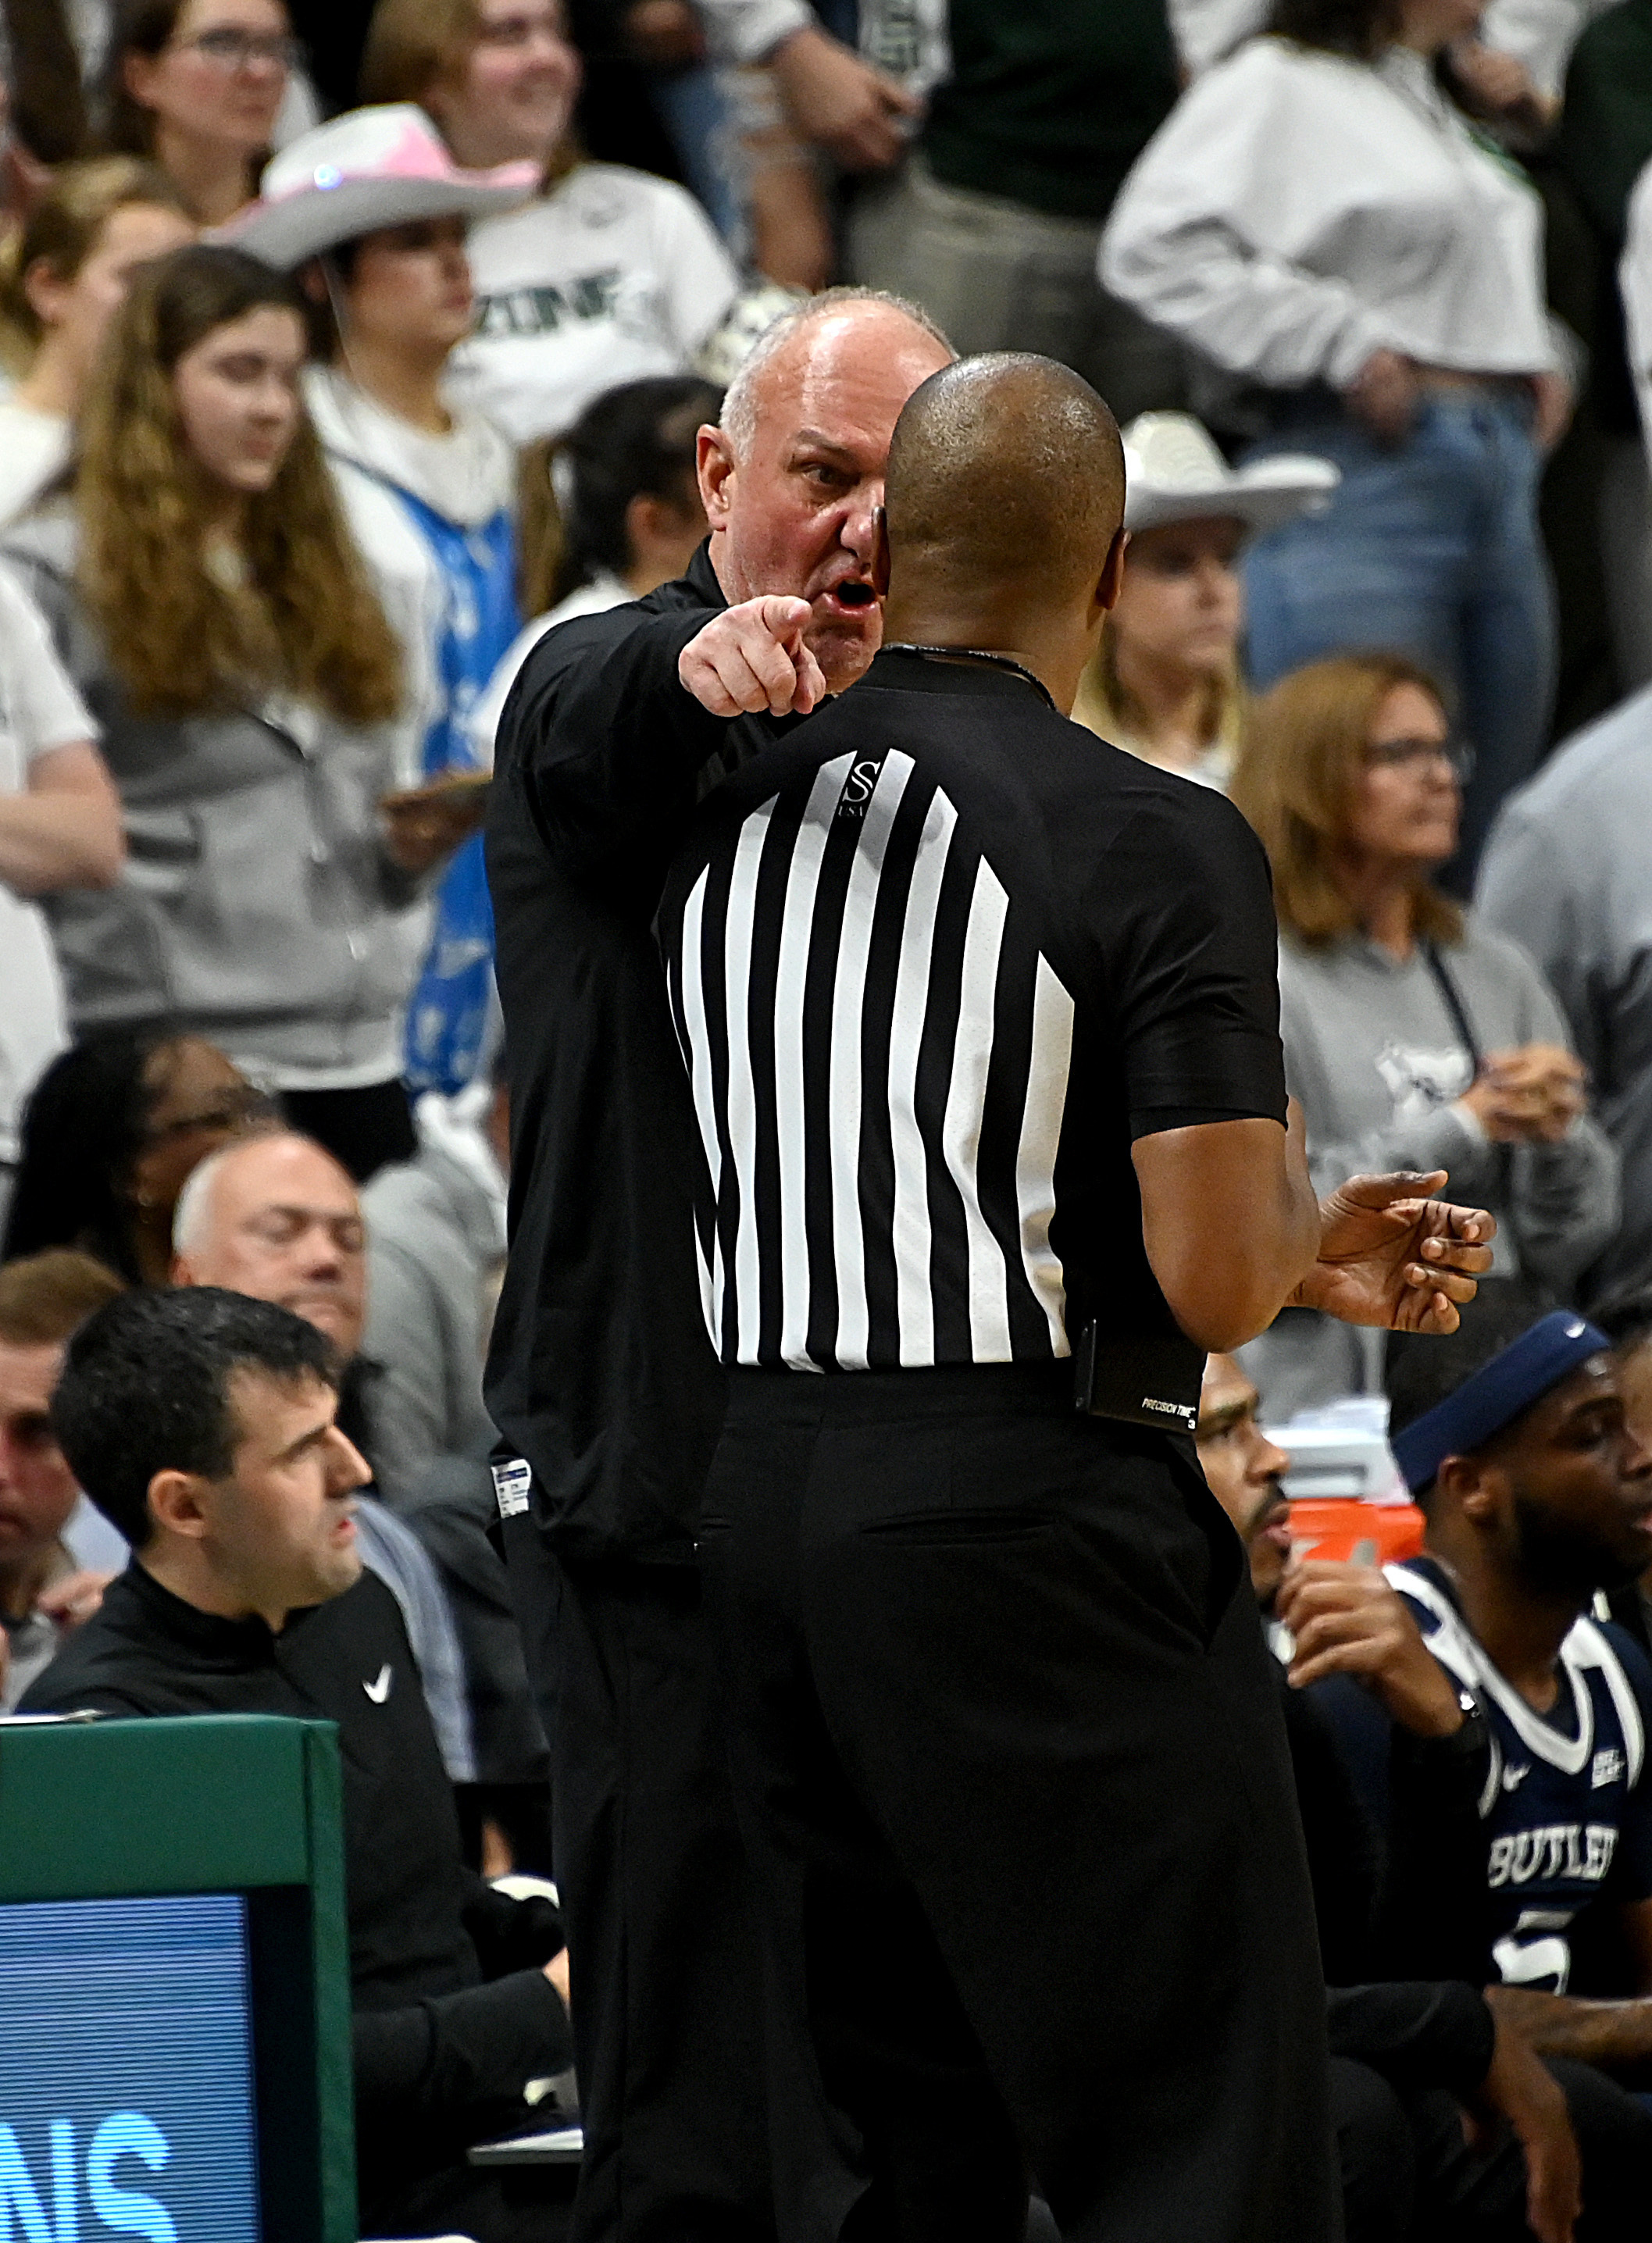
1335,1526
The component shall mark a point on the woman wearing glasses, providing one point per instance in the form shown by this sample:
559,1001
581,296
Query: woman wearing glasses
1414,1037
197,85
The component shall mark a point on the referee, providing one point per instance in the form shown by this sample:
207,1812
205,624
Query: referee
980,1025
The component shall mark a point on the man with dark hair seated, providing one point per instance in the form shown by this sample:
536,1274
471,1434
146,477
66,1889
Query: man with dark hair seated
1538,1496
202,1423
1412,2059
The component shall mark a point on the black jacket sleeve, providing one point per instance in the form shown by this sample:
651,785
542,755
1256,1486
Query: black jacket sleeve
511,1935
1341,1840
451,2056
1423,1797
1437,2034
602,743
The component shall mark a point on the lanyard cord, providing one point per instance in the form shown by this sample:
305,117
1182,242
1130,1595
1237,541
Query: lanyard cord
973,653
1454,1006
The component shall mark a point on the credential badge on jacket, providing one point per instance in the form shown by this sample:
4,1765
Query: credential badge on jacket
511,1483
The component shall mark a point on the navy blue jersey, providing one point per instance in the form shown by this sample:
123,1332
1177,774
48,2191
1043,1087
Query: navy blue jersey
1566,1805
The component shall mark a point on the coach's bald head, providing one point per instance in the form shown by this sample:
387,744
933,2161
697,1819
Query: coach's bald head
1005,514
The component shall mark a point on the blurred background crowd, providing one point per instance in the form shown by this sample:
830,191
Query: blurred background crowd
347,348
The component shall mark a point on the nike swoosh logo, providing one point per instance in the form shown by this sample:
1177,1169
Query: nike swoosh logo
379,1691
1513,1777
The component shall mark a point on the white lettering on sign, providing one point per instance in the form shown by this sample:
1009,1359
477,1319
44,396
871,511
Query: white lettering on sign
118,2211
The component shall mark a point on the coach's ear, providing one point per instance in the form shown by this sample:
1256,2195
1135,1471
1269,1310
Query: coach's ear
879,552
175,1503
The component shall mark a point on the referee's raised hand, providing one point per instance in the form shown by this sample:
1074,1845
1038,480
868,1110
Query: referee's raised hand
1394,1256
753,657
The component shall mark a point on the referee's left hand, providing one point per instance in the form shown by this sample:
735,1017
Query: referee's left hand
1391,1255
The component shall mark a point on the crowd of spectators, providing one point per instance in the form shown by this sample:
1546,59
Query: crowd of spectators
345,353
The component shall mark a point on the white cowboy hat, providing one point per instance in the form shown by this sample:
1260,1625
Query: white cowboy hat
1173,472
367,169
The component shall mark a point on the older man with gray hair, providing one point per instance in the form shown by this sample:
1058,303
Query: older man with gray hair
601,1379
276,1217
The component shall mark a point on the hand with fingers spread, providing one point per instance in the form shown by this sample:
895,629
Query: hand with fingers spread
1347,1620
1392,1255
753,657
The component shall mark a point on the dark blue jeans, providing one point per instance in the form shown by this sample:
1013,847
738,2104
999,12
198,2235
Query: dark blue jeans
1430,548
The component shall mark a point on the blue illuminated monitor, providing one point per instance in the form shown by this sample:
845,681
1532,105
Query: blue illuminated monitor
174,1988
134,2112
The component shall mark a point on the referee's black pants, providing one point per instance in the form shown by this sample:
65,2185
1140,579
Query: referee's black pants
655,1892
1010,1764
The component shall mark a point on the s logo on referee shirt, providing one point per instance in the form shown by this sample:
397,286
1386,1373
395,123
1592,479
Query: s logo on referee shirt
857,788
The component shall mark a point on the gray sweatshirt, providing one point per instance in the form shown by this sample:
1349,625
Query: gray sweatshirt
257,907
1568,871
1374,1053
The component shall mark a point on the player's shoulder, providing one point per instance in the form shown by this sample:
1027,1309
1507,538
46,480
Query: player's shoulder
1427,1590
1630,1658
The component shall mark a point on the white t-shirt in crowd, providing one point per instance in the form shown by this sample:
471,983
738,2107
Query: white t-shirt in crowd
34,447
1539,33
1390,226
604,591
39,710
611,277
1635,284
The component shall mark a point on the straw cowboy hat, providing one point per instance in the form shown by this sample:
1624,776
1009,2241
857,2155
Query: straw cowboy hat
367,169
1173,472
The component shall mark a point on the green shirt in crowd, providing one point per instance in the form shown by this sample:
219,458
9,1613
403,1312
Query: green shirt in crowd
1051,101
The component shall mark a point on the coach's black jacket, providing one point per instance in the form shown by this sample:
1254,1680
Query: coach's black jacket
601,1373
453,2016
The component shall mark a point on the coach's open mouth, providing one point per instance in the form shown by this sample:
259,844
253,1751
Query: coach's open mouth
852,595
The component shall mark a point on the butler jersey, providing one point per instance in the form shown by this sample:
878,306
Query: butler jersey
1566,1805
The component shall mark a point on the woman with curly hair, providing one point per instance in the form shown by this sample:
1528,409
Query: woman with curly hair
208,601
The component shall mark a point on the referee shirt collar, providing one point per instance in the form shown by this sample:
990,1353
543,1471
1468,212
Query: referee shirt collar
926,673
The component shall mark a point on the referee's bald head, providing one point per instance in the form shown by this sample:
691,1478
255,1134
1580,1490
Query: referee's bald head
1006,479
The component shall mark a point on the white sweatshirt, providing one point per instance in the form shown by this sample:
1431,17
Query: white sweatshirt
1634,283
1539,33
39,710
612,277
1296,211
466,476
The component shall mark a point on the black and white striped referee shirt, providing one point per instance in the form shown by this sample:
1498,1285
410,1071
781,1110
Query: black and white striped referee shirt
935,959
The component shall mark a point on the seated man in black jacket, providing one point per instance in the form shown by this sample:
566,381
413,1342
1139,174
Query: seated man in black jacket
202,1423
1410,2164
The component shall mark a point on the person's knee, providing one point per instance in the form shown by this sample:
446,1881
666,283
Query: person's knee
1375,2153
1614,2129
